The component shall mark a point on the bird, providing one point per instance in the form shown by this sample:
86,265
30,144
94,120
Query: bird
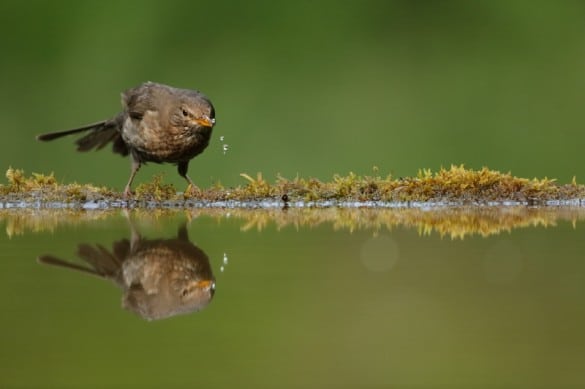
158,123
160,278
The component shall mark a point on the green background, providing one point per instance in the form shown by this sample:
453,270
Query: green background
311,88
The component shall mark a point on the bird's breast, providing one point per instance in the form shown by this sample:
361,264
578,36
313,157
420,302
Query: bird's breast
154,142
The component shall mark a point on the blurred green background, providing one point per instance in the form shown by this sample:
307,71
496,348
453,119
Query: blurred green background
308,88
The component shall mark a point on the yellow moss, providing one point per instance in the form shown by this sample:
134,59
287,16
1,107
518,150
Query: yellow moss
455,184
257,187
155,190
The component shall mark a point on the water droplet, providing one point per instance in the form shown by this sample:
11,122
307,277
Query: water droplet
224,147
225,259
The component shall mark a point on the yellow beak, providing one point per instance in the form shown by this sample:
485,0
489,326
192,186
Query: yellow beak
205,121
204,284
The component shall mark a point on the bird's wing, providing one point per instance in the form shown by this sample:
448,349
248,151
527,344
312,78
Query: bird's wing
138,100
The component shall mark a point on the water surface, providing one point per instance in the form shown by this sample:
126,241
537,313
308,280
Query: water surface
300,300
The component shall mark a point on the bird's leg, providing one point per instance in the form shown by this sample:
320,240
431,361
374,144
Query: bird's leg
182,168
183,234
135,167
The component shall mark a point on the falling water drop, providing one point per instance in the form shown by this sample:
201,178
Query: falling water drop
225,262
224,146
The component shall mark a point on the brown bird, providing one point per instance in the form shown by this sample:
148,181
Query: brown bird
158,123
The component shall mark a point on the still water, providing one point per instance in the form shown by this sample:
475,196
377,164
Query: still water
297,298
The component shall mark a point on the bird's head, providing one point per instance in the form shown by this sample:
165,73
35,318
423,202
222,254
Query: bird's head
196,111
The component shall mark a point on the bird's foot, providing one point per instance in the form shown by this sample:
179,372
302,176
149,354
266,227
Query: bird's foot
127,194
192,191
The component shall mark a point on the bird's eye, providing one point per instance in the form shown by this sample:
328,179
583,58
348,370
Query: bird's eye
185,112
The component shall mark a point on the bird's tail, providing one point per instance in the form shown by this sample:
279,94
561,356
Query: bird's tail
102,263
100,134
54,261
58,134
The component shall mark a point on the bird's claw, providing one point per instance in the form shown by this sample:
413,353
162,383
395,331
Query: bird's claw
192,191
127,194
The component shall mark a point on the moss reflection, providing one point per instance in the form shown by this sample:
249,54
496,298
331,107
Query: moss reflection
456,222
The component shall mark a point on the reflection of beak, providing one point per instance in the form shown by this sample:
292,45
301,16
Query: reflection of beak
205,121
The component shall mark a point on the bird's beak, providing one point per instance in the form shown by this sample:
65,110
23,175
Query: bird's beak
204,284
205,121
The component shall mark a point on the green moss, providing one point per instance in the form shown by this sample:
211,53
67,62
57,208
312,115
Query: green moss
155,190
40,187
456,184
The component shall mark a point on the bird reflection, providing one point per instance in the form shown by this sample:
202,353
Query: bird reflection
160,277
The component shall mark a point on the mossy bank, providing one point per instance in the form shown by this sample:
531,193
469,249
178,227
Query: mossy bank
456,185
